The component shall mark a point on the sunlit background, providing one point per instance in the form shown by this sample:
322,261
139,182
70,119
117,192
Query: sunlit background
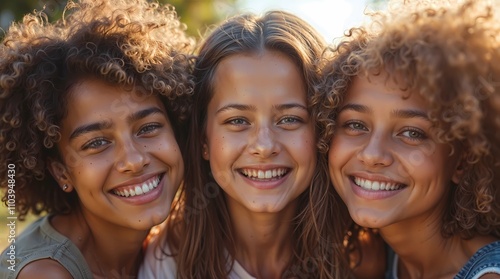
330,17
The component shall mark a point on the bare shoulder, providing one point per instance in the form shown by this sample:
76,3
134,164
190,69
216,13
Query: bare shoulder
51,270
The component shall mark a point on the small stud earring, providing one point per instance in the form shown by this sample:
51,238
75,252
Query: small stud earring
65,187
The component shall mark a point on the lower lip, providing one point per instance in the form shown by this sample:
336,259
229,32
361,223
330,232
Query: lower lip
145,198
372,194
265,185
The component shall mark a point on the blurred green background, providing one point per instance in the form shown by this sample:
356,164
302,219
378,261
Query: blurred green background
196,14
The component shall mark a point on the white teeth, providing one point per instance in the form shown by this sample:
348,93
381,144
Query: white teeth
261,174
138,190
376,185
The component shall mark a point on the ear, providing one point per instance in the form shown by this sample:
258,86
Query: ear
205,153
60,174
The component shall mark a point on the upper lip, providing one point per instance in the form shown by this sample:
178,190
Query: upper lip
138,180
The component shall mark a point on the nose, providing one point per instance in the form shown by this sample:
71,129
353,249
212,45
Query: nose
376,152
131,157
264,143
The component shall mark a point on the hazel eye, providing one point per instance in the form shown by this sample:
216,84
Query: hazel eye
237,121
355,125
413,133
290,120
149,128
95,144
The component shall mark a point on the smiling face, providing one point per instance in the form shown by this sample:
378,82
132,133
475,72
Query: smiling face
385,161
259,138
119,154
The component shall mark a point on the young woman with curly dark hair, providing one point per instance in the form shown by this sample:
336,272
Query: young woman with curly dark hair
412,117
92,107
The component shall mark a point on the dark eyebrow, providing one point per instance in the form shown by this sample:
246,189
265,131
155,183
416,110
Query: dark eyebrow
236,106
138,115
89,128
290,106
356,107
400,113
106,124
409,113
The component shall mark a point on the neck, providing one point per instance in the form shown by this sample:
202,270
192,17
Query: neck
263,241
111,251
425,253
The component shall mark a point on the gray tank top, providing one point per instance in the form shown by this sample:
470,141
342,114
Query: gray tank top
41,241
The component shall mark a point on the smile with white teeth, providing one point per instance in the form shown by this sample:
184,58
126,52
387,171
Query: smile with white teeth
377,185
264,174
139,189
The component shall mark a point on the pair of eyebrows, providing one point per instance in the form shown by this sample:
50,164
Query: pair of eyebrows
242,107
105,124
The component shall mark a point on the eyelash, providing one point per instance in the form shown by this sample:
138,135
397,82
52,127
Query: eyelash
91,144
350,124
294,118
234,120
420,134
146,129
151,128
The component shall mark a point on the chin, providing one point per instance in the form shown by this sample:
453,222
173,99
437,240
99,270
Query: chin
265,208
367,221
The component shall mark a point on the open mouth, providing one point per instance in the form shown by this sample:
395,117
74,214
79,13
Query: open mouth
139,189
265,175
376,185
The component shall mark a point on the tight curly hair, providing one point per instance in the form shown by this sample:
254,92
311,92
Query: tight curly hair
447,53
127,43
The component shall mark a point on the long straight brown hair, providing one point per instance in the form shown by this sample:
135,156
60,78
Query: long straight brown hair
200,234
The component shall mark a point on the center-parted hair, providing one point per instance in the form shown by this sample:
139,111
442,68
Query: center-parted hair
200,233
131,44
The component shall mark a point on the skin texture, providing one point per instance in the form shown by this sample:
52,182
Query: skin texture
132,145
122,153
383,135
373,142
257,121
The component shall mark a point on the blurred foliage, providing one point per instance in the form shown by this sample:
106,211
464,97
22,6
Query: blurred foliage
196,14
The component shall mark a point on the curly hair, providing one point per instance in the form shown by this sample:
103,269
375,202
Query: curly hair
448,54
126,43
199,228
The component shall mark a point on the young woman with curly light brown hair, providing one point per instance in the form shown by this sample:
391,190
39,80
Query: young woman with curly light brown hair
92,107
412,113
257,197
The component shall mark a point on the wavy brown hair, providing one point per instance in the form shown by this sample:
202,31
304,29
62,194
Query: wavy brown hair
127,43
449,54
200,234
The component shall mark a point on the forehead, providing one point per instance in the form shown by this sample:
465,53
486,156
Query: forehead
380,88
95,99
258,75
